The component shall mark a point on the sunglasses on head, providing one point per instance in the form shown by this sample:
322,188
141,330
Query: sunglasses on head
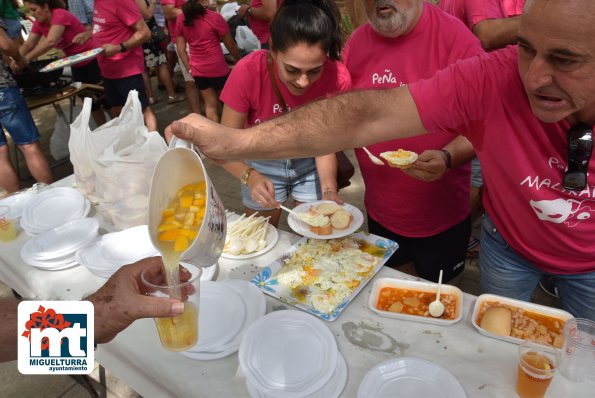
580,146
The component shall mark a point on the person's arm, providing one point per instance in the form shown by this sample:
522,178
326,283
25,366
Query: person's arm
431,165
146,10
261,187
10,49
8,329
497,33
54,35
231,46
264,13
141,34
29,44
170,11
350,120
326,167
181,47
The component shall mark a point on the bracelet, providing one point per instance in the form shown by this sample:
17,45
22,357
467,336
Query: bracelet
448,158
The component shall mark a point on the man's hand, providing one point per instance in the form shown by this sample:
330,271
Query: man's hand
431,165
122,300
83,37
212,139
109,50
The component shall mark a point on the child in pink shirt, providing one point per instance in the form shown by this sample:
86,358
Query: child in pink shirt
199,30
303,72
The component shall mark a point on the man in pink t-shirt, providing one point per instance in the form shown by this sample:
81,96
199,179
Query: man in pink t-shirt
487,19
429,220
517,110
119,28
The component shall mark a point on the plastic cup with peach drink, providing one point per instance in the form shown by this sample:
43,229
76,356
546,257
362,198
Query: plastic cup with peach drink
536,367
8,230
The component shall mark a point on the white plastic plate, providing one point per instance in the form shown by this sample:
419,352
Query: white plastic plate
409,377
17,203
288,354
381,283
299,227
537,308
64,240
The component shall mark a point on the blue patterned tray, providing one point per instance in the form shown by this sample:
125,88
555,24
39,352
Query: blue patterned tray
267,279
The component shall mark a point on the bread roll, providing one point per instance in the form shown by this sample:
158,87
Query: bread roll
341,219
400,158
322,230
497,320
327,208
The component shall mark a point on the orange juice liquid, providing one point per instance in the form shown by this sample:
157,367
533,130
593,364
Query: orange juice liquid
7,230
181,332
529,383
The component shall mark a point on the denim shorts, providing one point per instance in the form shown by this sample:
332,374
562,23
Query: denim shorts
476,177
506,273
13,27
295,177
16,118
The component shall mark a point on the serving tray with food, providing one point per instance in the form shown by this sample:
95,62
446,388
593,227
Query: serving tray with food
513,320
410,300
325,219
323,276
71,60
248,237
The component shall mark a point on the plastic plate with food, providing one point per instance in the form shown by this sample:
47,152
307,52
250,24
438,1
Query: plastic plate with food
343,220
409,300
513,320
247,237
323,276
72,60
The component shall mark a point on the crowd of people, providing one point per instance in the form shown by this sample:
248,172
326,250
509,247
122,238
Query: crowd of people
445,80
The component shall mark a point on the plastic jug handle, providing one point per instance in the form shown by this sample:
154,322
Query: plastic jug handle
180,143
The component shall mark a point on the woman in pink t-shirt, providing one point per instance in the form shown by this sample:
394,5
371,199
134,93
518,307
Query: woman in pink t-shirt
202,29
302,34
62,30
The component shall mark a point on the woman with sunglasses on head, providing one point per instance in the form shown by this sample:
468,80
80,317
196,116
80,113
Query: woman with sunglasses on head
305,44
202,29
55,27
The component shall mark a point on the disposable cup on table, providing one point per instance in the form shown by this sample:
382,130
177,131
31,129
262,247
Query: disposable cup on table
8,230
180,332
537,365
578,354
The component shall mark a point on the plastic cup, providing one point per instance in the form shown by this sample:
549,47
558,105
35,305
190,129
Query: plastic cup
180,332
8,230
578,354
537,365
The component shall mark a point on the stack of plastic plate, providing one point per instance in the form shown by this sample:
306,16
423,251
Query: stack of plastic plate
55,249
227,309
53,207
292,354
17,202
106,254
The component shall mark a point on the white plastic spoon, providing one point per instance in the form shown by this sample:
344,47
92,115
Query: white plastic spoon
373,158
313,220
436,307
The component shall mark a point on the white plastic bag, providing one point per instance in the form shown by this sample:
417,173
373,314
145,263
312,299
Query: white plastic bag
246,39
125,168
228,10
85,145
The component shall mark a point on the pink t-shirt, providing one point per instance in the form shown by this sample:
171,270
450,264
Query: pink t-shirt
398,202
472,12
112,23
72,27
206,56
171,24
513,7
523,160
260,28
249,89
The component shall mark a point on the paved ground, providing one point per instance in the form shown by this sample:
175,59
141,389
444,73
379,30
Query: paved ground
13,384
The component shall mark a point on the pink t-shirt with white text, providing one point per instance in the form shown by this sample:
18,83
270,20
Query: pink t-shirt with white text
206,56
171,23
72,27
398,202
249,89
523,160
260,28
472,12
112,23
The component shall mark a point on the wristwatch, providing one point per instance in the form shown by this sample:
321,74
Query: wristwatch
122,48
246,175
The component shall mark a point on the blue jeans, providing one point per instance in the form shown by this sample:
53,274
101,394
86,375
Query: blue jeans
506,273
16,118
